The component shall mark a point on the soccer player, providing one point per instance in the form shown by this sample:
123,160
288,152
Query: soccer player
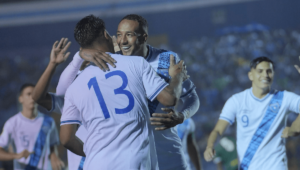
226,154
186,132
33,136
112,106
54,102
259,112
132,37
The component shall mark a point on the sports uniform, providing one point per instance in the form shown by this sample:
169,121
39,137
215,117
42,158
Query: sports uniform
112,106
260,123
168,145
36,135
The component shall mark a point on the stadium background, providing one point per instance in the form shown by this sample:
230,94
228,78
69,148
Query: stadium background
216,38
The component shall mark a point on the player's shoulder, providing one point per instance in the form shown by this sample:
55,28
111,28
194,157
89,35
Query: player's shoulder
240,95
13,119
162,53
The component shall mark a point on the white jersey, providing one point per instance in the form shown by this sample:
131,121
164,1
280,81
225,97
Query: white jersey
112,106
23,133
73,159
249,111
184,130
168,144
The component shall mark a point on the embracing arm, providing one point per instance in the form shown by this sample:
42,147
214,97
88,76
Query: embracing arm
292,131
218,131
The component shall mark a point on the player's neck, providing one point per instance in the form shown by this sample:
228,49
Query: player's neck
259,92
29,113
145,51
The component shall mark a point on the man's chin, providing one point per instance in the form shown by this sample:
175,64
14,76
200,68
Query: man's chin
128,53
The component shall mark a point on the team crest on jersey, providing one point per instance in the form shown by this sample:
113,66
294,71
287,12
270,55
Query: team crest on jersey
274,107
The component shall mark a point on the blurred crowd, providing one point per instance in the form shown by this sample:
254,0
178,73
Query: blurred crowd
218,66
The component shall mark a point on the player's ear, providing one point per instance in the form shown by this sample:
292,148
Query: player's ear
143,38
250,75
106,35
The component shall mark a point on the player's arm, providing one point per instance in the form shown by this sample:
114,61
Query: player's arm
171,93
217,131
193,151
68,75
70,140
69,121
6,156
100,58
5,139
292,131
57,56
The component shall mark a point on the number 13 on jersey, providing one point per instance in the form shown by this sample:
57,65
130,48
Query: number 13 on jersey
121,90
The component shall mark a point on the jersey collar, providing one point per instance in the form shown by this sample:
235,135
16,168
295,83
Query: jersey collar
262,99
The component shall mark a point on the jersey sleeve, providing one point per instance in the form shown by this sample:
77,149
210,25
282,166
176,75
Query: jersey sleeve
152,82
71,114
6,134
69,74
293,101
57,103
54,139
229,110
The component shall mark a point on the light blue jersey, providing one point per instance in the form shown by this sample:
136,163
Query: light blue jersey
168,144
260,123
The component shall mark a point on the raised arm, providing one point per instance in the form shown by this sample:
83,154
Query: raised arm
218,131
57,56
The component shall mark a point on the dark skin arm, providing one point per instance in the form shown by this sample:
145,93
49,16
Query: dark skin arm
56,162
193,151
57,56
69,140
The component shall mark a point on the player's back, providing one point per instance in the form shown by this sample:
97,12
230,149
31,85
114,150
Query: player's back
113,109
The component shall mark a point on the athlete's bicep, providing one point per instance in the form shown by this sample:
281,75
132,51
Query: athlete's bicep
46,102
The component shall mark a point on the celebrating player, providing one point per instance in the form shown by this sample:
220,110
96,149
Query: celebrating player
54,102
259,113
186,132
132,37
33,136
113,106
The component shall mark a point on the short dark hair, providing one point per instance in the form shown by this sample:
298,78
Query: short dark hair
258,60
24,86
143,24
88,29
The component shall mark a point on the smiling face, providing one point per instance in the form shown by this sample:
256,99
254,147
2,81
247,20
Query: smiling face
262,75
129,38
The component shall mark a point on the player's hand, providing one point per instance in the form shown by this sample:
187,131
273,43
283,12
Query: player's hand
209,154
285,132
58,52
24,154
177,69
166,120
116,46
297,67
100,58
56,163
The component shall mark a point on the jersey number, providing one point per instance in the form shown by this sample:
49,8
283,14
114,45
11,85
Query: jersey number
245,120
121,90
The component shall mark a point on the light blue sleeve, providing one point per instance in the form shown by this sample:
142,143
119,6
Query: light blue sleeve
229,110
293,101
57,103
